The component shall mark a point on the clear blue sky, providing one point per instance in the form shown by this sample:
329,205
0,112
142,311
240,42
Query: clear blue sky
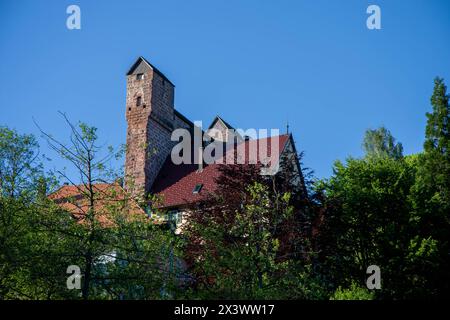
256,63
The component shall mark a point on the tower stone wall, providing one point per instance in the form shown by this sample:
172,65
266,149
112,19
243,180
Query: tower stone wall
150,122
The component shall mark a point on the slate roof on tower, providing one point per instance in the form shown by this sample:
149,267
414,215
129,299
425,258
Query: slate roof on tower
142,59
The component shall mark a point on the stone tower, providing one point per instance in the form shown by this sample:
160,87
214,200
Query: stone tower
150,117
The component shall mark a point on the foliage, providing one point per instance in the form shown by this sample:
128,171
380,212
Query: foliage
391,211
438,127
19,166
122,255
355,292
381,143
250,243
368,220
430,195
278,237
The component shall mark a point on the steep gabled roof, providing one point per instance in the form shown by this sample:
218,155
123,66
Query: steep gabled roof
217,118
175,183
142,59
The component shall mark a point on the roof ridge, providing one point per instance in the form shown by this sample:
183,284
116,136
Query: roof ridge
217,117
155,69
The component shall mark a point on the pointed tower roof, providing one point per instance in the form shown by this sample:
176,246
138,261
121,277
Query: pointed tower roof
143,60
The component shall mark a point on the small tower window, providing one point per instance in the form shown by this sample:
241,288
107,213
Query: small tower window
197,188
139,76
138,101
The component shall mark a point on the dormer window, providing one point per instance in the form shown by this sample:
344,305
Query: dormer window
138,101
198,187
139,76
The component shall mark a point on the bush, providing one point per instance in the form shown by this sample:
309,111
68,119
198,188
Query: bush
355,292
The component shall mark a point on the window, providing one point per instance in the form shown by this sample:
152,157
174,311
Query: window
138,101
178,218
197,188
148,211
175,217
139,76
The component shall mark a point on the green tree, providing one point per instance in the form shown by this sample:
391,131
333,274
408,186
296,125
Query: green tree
391,211
122,254
367,222
381,143
19,163
26,267
431,193
248,243
355,292
437,132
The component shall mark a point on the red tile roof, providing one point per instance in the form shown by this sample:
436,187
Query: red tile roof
175,183
73,199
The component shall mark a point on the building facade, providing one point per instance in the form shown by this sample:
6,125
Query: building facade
151,121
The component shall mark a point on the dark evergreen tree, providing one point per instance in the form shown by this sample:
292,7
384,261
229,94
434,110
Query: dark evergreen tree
431,192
